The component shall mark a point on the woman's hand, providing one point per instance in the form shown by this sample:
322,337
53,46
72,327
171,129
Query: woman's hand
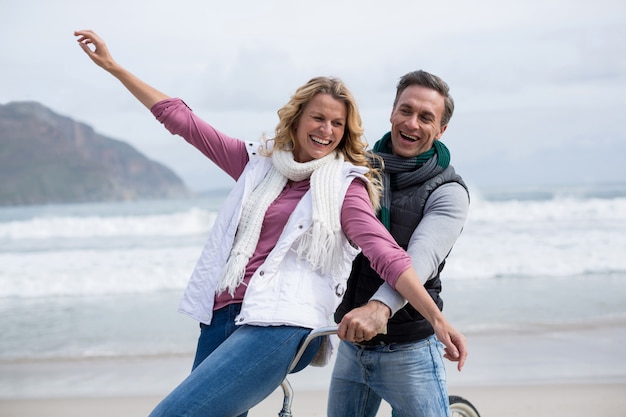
455,344
100,53
411,288
145,93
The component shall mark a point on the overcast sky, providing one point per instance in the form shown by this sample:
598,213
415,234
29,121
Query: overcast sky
539,85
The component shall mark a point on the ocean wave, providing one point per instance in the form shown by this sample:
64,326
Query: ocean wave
95,272
551,192
190,222
113,252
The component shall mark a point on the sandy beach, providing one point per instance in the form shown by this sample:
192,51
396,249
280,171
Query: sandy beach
543,373
572,400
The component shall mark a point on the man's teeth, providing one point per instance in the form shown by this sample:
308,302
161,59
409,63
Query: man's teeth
320,141
407,137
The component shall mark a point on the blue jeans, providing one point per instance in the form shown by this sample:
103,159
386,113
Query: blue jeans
411,377
235,368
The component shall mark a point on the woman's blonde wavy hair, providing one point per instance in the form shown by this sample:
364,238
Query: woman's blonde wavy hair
352,146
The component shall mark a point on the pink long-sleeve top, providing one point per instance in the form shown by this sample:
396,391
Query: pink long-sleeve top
358,220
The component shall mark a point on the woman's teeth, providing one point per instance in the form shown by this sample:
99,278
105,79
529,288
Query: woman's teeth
319,140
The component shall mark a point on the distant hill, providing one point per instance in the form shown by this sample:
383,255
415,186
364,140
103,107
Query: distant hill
47,158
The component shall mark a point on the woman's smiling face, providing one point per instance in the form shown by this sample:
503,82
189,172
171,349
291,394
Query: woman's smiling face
320,128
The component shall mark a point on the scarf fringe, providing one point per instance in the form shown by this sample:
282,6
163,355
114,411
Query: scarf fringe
320,247
233,275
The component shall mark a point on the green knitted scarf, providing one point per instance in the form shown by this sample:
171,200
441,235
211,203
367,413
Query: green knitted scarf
400,172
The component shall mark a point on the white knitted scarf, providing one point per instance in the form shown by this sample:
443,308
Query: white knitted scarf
321,244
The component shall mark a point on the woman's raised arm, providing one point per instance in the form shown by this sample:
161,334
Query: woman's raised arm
146,94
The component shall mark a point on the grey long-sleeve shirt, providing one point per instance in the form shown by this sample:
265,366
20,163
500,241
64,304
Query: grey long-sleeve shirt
444,216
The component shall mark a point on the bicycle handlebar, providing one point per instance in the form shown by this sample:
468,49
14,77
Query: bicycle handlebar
321,331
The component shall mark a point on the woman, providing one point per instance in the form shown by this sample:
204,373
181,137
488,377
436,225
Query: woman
279,254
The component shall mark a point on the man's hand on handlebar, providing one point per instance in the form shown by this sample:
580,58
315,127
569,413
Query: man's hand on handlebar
365,322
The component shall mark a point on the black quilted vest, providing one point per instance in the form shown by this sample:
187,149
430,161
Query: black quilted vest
406,211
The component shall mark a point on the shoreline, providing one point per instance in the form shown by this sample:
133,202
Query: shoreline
569,355
573,371
543,400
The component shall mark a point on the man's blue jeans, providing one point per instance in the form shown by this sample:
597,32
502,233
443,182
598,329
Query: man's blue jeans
235,368
411,377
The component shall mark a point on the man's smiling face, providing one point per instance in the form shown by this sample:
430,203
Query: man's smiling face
416,121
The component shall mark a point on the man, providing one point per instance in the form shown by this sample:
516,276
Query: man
425,204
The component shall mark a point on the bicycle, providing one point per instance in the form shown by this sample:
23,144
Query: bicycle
459,406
